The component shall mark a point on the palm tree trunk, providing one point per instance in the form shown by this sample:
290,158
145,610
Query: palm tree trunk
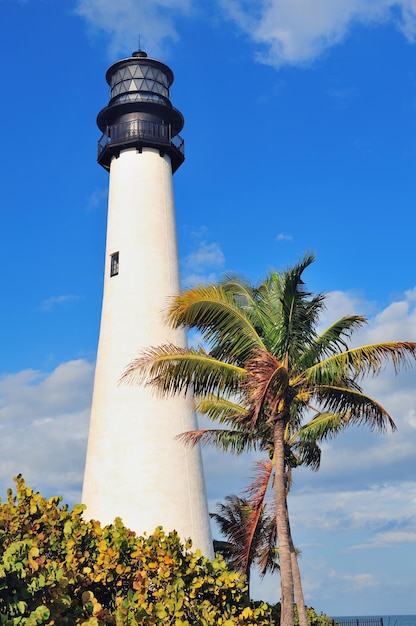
297,582
283,530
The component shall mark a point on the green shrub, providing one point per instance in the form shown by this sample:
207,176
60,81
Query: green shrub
57,568
314,619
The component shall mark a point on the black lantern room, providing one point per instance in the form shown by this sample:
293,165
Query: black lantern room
140,113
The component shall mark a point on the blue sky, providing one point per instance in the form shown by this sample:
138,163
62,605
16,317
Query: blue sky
299,134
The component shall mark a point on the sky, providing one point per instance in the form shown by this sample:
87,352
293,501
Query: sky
300,122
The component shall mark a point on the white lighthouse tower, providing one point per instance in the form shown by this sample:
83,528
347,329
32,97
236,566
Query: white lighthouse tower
136,469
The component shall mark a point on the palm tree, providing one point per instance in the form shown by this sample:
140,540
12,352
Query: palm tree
250,536
264,353
301,449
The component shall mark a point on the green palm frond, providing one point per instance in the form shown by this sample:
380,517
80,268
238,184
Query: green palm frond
224,324
361,361
354,407
221,409
238,418
322,426
332,341
173,370
306,451
233,441
299,313
241,292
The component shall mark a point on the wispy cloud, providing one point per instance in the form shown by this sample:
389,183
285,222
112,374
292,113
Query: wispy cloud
382,540
207,255
284,237
54,301
357,581
97,199
203,264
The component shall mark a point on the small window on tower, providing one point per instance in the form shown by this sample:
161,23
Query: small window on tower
114,264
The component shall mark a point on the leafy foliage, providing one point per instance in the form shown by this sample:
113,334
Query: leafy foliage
57,568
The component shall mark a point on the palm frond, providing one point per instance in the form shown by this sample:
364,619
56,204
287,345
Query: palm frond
216,313
225,548
268,553
251,536
361,361
233,441
266,381
306,452
240,290
173,370
232,518
299,312
256,491
353,407
262,529
332,341
322,426
220,409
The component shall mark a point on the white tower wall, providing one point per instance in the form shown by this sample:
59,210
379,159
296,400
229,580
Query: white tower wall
136,469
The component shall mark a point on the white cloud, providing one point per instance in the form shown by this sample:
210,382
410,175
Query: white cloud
369,509
43,428
359,581
299,32
407,22
410,294
395,322
340,303
202,265
190,280
126,20
389,539
207,255
283,31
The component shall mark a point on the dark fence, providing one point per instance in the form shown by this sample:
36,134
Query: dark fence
361,621
139,134
140,130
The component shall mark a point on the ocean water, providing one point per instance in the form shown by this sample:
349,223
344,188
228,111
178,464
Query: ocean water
388,620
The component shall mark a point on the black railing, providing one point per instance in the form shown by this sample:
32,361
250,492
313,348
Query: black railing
142,131
361,621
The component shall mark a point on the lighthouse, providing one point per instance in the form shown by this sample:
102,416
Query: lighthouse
136,468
